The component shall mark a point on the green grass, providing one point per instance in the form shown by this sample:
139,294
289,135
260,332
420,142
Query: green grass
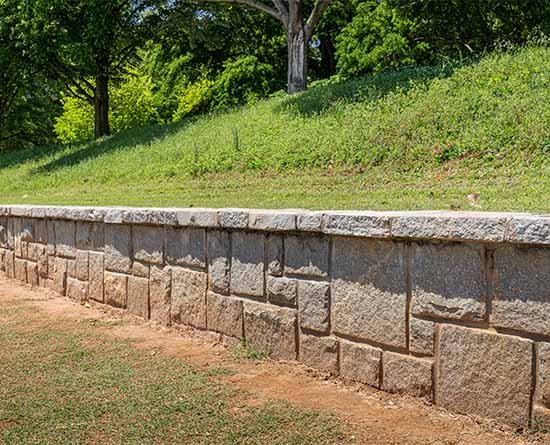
65,382
412,139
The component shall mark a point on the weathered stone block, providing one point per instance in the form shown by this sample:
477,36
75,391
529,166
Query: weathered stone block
59,274
361,363
405,374
77,290
138,297
485,374
271,329
148,244
35,251
71,268
233,218
82,261
21,270
224,315
275,251
448,281
50,247
40,231
186,247
197,217
95,276
281,290
319,353
306,255
521,298
140,269
9,261
247,267
543,371
219,258
189,297
368,290
159,295
32,274
422,335
529,229
116,288
272,220
368,224
17,231
314,305
90,236
309,221
65,238
118,248
4,232
43,265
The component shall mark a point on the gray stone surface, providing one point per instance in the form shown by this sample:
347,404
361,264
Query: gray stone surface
219,260
422,336
307,255
140,269
116,288
319,353
367,224
521,294
77,290
197,217
81,265
309,221
65,238
275,252
405,374
368,290
90,236
361,363
118,248
270,329
529,229
186,247
233,218
281,290
224,315
159,295
138,297
59,275
272,220
148,244
314,305
448,281
485,374
3,232
95,276
247,265
189,297
543,374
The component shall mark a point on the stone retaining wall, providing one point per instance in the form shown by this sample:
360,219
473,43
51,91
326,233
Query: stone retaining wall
453,307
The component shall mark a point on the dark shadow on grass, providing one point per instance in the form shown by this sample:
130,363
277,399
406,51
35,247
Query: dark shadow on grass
324,94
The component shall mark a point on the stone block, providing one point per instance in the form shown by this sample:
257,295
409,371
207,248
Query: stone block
59,274
543,374
369,298
422,335
50,247
118,248
197,217
77,290
367,224
307,255
405,374
138,297
90,236
115,288
95,276
219,259
43,265
140,269
21,270
4,232
521,295
281,290
224,314
275,251
148,244
314,305
40,231
17,231
32,274
82,261
319,353
361,363
233,218
486,374
71,268
35,251
159,295
189,297
247,266
309,221
529,229
65,238
186,247
271,330
9,262
272,220
448,281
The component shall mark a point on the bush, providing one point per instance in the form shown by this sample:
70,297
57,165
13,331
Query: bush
194,99
77,121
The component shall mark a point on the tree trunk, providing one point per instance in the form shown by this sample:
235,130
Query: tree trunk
101,106
297,58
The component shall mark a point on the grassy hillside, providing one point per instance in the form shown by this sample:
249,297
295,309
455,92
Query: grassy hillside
417,138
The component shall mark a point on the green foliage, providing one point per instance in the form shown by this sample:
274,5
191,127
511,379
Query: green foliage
194,99
77,121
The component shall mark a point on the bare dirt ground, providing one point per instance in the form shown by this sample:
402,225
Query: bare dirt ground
383,418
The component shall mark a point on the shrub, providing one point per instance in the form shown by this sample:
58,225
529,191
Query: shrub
194,99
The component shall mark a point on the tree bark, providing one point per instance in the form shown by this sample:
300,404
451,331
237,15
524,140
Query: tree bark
101,106
297,59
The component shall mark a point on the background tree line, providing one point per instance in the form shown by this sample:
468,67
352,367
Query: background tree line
74,69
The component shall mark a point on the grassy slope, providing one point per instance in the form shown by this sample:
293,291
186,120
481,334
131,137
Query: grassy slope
419,138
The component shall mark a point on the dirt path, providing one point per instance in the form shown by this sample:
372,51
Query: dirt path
383,418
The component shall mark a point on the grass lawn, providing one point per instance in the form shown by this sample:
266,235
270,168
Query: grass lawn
66,382
419,138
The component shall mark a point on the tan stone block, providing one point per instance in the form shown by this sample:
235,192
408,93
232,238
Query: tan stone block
271,329
9,261
159,295
95,275
77,290
59,274
281,290
319,353
543,374
422,335
140,269
485,374
35,251
224,314
32,274
116,286
361,363
21,270
313,305
82,261
43,265
71,268
405,374
138,296
189,297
